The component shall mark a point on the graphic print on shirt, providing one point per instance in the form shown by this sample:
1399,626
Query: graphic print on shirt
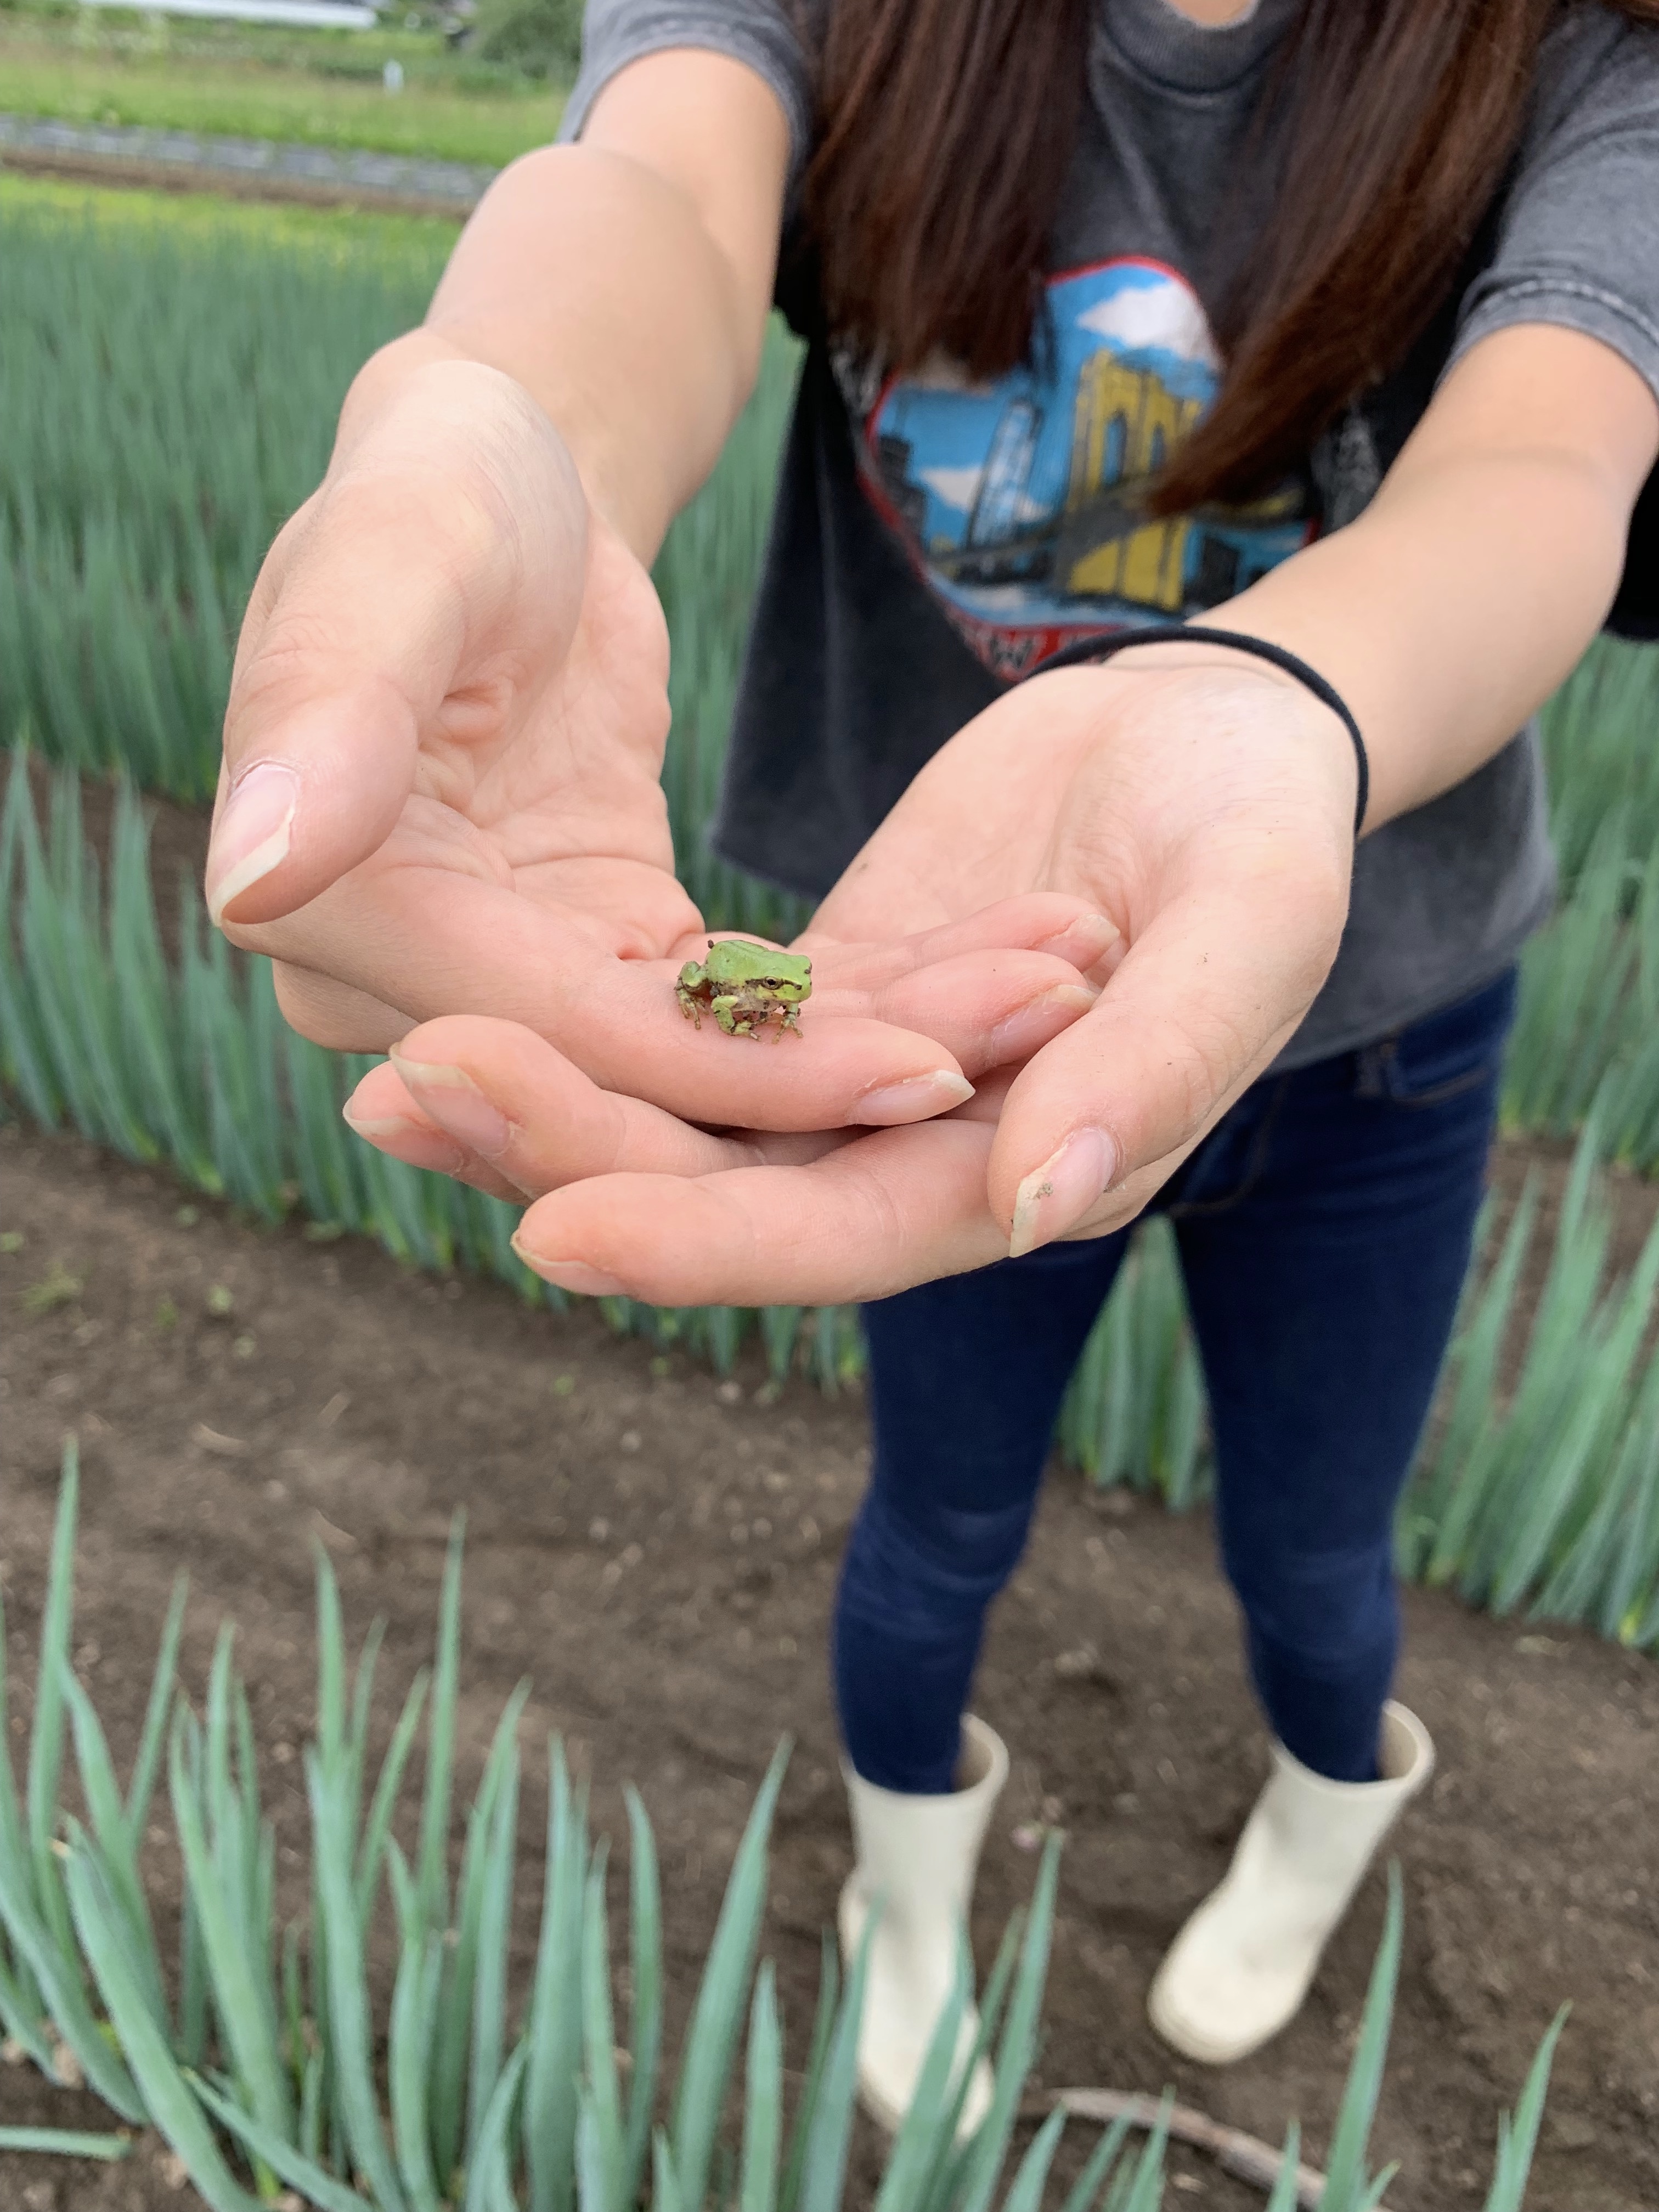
1018,500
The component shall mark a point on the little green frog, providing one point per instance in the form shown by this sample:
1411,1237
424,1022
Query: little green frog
743,985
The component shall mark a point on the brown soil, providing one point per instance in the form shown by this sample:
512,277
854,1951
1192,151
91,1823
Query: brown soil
659,1551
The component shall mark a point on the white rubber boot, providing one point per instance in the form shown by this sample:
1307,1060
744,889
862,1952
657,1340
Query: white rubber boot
918,1856
1239,1969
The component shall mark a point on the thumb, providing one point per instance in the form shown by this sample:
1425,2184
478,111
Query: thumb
337,673
1211,991
374,606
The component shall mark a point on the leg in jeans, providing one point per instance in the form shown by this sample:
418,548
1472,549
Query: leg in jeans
1324,1228
1323,1289
966,1377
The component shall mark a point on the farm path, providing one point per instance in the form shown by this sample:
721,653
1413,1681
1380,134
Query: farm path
251,169
658,1550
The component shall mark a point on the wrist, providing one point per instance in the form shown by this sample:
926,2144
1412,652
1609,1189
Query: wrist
384,379
633,495
421,408
1202,647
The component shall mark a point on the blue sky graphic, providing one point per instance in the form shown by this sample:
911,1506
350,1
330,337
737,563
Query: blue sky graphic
949,432
1146,314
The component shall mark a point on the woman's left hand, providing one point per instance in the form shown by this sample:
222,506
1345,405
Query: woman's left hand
1199,799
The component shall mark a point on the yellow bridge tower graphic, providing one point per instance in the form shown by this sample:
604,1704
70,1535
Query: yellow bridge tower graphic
1126,422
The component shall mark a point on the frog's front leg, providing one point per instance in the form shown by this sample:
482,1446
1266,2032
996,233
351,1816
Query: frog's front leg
791,1022
690,1007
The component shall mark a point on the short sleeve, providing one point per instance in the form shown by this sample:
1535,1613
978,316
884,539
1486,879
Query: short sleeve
761,33
1578,240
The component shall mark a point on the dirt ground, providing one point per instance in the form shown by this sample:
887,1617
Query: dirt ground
659,1551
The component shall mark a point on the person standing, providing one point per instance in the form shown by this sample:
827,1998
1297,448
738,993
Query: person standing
1219,428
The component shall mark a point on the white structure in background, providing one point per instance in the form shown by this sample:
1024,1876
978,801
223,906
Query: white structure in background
391,76
303,15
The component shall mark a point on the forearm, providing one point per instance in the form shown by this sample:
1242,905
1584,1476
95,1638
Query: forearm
626,292
1453,607
1442,623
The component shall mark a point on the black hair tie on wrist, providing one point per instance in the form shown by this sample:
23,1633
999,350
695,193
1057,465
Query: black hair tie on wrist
1101,645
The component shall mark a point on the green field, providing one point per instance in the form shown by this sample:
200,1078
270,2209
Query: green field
172,379
446,111
169,382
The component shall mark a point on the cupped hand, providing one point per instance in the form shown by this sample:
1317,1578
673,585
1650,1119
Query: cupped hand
441,791
495,1106
1200,802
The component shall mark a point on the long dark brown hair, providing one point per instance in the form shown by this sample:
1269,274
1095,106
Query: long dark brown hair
947,127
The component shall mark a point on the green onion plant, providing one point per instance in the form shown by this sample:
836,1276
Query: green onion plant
284,2060
1546,1495
169,393
189,1062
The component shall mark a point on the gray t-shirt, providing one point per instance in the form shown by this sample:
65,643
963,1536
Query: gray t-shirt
932,541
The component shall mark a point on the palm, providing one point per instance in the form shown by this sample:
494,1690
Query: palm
556,771
1202,809
1064,786
533,804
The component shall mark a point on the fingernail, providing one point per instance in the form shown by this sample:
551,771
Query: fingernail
917,1099
1084,939
252,835
394,1134
1036,1021
450,1096
574,1275
384,1125
1055,1197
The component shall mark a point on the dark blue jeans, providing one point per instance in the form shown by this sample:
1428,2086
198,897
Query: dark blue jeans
1324,1228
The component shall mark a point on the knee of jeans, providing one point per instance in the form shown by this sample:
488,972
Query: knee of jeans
931,1576
1326,1610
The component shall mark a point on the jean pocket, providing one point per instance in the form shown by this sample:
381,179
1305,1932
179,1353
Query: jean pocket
1447,1054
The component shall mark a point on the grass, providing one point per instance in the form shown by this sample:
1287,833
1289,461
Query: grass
1588,1022
286,88
270,2058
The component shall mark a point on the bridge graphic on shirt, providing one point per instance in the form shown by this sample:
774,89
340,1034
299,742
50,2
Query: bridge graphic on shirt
1022,504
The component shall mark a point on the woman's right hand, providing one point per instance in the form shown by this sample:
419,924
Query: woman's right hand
441,790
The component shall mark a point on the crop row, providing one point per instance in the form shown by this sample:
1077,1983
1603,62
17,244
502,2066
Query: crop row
1544,1494
273,2059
